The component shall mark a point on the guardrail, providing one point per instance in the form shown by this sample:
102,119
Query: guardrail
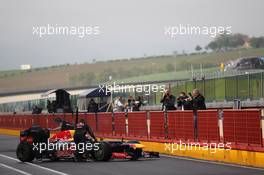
242,128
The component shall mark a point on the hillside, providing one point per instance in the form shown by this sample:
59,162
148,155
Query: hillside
140,69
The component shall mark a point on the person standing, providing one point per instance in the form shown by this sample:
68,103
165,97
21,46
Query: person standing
130,105
168,101
92,106
118,105
198,102
183,103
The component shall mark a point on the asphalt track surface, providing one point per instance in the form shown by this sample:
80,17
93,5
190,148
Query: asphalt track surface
165,165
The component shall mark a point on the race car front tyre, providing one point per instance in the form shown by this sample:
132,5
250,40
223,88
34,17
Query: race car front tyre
104,152
24,152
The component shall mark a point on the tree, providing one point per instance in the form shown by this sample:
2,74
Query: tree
237,40
213,45
227,41
257,42
198,48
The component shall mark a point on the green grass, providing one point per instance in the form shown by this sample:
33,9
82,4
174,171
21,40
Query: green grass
10,73
127,70
178,75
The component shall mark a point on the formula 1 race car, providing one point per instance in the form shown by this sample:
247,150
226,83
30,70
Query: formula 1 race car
36,142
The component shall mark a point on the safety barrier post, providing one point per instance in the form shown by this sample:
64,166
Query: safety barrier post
148,124
166,132
113,124
126,116
220,124
262,126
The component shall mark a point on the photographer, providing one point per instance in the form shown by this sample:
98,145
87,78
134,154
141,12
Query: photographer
138,104
118,104
183,102
198,100
130,104
168,101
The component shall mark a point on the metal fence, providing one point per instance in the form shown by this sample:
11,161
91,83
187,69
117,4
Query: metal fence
244,86
225,87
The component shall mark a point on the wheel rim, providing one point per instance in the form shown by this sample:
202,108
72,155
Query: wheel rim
99,154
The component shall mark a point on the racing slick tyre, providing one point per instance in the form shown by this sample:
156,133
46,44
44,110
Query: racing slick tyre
136,154
54,157
104,153
24,152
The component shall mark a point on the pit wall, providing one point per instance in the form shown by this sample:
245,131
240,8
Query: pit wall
240,130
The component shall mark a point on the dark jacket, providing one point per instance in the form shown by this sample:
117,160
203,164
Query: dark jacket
80,133
92,107
199,102
66,126
168,102
187,105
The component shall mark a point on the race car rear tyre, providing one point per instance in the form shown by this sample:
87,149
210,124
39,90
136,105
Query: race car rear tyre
137,153
24,152
104,152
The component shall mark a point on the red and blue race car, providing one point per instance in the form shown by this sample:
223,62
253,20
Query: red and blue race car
36,142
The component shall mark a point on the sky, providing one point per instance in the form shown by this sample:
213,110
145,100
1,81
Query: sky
127,28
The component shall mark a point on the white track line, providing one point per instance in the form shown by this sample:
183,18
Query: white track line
211,162
14,169
41,167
